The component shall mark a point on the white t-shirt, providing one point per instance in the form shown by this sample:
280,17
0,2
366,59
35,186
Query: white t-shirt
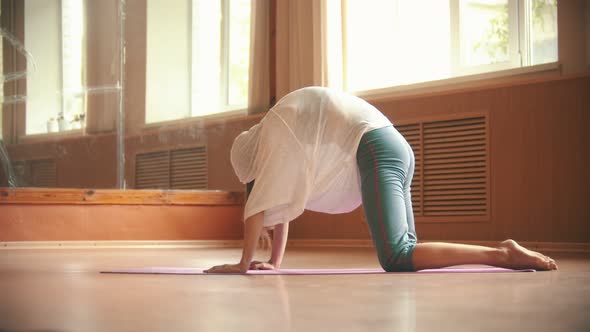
302,155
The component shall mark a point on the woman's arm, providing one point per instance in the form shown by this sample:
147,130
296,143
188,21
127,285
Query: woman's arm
252,228
279,242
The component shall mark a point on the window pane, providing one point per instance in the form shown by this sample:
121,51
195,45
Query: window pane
72,53
379,50
239,52
543,31
484,32
206,64
197,63
55,92
42,28
395,42
168,60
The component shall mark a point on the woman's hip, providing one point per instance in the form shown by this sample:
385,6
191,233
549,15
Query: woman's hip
384,147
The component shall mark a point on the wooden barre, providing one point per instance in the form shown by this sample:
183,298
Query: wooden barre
119,197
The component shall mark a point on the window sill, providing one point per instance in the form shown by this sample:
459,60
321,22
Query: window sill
205,120
464,83
73,196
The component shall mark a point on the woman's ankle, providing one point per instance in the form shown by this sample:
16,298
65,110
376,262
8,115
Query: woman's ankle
501,256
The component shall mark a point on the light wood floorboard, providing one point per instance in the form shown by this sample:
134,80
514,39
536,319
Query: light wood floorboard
61,290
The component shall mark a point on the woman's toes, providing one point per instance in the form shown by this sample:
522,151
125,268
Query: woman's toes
551,264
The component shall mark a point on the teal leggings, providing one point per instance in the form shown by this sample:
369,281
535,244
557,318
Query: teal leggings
386,165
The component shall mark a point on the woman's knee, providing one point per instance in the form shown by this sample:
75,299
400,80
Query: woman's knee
400,260
397,267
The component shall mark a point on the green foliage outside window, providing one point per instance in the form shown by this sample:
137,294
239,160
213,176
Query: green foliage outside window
495,41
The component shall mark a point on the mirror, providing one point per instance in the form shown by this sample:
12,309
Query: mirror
123,94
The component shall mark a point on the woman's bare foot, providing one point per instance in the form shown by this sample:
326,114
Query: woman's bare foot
518,257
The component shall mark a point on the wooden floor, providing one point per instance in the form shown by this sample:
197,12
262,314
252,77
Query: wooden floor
61,290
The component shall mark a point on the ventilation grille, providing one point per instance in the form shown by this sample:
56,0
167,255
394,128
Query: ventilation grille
36,173
172,169
451,177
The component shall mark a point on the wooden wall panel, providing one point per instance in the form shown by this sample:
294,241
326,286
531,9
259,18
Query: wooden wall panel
119,222
540,184
135,65
81,162
13,114
102,64
104,215
216,135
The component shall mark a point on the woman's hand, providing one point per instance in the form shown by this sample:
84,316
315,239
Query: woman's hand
227,268
257,265
252,228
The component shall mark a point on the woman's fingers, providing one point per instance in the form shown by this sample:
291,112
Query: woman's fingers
225,268
255,263
213,269
235,268
262,266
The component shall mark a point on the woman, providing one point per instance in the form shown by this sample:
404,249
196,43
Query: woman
327,151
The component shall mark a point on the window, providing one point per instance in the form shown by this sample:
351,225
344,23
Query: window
197,58
72,32
54,36
388,43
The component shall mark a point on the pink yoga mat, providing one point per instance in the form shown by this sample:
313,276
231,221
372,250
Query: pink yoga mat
189,270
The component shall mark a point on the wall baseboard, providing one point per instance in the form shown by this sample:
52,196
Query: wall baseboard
561,247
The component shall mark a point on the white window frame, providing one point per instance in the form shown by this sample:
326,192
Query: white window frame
514,45
59,89
68,93
224,59
198,60
519,57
